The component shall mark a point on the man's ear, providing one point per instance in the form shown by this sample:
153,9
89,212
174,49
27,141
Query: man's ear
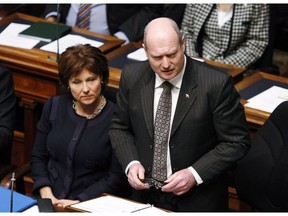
183,43
145,48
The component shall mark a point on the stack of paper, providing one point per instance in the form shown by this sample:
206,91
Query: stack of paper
138,55
10,37
111,204
269,99
69,40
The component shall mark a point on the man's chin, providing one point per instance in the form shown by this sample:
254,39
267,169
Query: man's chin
167,75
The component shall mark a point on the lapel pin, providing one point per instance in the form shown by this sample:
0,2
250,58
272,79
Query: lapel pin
187,95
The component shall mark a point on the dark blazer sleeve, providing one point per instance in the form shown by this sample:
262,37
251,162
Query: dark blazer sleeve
7,113
232,136
40,152
63,10
132,19
122,139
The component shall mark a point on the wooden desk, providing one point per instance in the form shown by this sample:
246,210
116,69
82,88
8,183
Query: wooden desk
235,71
118,57
256,118
35,75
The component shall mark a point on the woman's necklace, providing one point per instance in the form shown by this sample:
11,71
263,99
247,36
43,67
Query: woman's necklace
103,103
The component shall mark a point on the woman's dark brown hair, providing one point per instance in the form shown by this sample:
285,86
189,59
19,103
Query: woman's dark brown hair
79,57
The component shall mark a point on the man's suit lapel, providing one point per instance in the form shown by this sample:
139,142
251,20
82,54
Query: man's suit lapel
187,95
186,98
147,99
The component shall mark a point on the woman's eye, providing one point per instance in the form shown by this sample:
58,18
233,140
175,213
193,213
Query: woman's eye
91,80
76,82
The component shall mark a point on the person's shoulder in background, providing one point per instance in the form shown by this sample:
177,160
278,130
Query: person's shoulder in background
174,11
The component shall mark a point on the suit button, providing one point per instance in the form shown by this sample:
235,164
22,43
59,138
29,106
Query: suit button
149,168
172,147
151,147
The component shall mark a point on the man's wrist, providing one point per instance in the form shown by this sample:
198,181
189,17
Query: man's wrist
129,165
198,179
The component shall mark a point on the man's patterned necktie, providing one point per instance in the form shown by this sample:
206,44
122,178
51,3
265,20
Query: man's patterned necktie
83,16
161,133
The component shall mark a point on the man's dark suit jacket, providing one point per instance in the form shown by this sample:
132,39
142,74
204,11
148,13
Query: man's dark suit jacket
7,114
209,130
128,18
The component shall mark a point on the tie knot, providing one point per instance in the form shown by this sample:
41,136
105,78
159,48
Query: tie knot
85,6
167,85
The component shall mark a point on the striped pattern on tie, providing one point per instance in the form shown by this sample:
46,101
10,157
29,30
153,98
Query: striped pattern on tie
83,16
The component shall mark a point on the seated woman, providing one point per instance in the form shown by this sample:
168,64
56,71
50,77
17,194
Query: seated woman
72,159
236,34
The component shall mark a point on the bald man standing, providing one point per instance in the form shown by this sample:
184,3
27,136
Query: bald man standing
207,132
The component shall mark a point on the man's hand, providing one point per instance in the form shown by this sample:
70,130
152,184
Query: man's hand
136,176
51,19
180,182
